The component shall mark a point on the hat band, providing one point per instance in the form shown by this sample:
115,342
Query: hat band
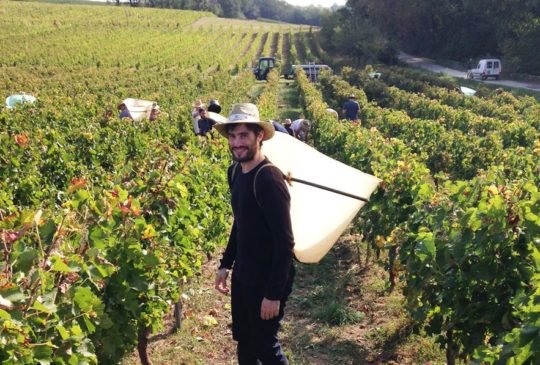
237,117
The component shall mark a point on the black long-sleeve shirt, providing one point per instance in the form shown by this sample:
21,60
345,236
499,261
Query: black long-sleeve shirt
205,125
261,242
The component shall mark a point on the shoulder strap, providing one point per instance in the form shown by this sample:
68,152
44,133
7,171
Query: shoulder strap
269,164
233,173
255,189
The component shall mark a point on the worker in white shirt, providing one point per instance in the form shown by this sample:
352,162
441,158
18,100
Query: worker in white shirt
301,128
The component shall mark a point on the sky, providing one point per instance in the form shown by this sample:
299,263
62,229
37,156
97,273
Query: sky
326,3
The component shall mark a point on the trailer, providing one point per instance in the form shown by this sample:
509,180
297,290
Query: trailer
311,70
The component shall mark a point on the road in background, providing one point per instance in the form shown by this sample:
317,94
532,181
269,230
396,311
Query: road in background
430,65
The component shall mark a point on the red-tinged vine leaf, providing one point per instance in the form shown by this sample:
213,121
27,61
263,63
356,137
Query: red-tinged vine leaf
21,140
72,277
9,217
76,184
124,209
10,236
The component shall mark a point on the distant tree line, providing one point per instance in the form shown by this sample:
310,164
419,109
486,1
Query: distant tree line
463,30
244,9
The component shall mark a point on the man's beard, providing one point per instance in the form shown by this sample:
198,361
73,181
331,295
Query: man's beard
248,156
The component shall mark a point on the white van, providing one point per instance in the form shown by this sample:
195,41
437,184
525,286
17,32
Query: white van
491,67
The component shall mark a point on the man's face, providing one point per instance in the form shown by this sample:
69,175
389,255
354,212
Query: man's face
202,113
244,143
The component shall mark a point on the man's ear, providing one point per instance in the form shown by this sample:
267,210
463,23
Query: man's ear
260,136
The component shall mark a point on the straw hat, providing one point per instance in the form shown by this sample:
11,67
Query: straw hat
249,114
198,103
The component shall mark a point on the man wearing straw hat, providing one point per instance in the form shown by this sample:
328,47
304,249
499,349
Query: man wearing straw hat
261,243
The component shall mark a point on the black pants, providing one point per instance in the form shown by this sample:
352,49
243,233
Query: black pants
257,338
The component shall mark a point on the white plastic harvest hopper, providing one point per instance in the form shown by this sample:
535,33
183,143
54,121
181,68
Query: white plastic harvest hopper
318,216
138,108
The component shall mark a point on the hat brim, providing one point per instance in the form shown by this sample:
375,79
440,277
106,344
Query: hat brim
222,123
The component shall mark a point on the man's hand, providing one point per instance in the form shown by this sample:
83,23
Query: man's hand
269,309
221,281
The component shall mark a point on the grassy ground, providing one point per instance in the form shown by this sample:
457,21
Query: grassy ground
340,312
288,100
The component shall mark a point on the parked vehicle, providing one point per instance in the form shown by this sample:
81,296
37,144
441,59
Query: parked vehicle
264,65
491,67
312,71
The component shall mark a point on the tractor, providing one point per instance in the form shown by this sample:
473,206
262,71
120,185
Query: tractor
264,65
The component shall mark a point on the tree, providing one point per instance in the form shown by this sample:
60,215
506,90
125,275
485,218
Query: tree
231,8
456,29
251,10
350,32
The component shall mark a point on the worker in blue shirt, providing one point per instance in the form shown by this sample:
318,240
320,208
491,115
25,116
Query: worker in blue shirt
351,109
